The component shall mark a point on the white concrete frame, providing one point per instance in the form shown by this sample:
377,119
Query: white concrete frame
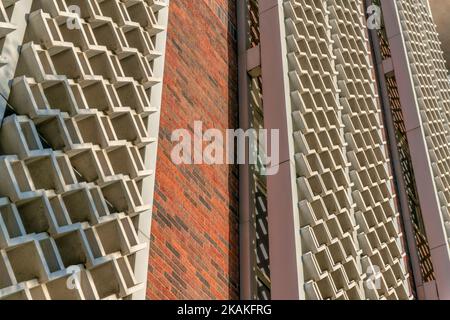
428,194
141,265
284,225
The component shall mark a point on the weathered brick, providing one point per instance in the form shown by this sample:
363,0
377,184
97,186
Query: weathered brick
194,247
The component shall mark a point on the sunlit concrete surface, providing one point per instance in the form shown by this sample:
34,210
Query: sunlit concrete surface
80,113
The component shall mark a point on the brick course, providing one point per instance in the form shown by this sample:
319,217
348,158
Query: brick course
194,243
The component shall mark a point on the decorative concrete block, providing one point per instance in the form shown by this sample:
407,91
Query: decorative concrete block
72,153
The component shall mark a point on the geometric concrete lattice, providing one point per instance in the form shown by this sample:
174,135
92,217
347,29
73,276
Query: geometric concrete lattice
80,115
334,224
417,63
348,219
432,90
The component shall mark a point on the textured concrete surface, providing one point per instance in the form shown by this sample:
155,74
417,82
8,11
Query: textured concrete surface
75,145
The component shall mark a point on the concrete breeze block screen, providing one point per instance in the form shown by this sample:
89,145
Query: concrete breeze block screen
80,115
349,223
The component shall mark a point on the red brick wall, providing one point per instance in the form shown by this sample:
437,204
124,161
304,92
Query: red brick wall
194,237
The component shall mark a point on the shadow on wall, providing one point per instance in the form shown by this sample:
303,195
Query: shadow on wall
233,173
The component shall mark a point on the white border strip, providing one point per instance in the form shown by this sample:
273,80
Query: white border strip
141,262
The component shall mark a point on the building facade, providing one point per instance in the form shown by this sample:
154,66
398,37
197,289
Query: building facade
195,226
355,205
358,90
81,92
